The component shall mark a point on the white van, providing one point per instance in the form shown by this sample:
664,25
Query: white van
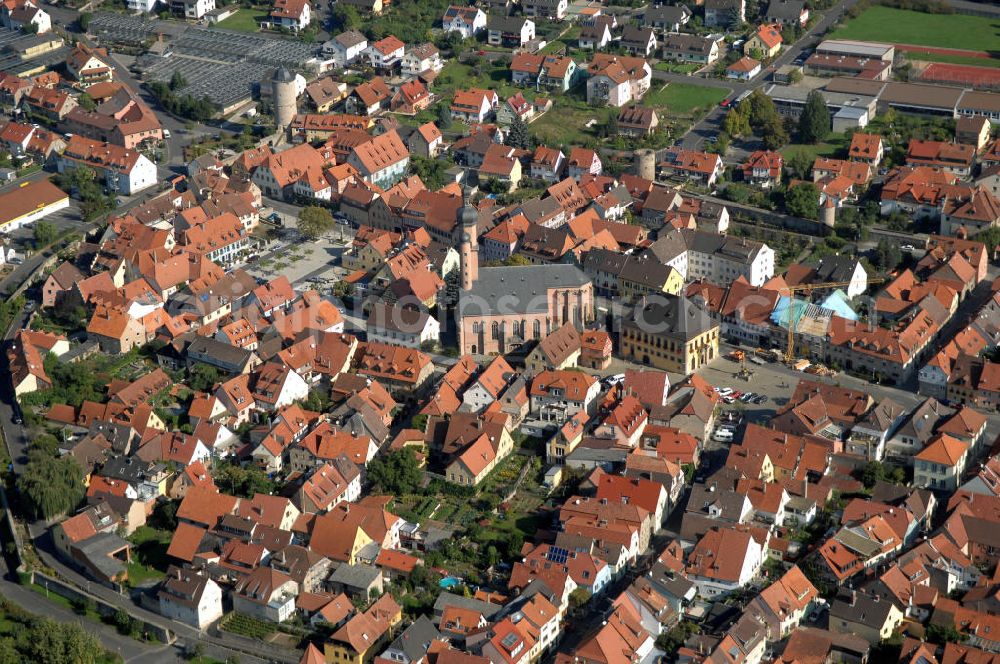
723,436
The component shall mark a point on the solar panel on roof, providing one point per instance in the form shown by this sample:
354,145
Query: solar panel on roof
557,554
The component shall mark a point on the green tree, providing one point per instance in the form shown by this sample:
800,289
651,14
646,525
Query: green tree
942,634
886,256
760,109
48,641
799,165
123,622
494,186
164,515
432,172
343,289
45,443
345,17
45,234
86,102
610,127
737,121
444,116
876,471
517,260
578,598
802,200
737,193
773,133
814,123
243,482
990,237
314,221
177,81
396,473
317,401
689,471
82,182
84,21
203,377
419,422
518,136
50,486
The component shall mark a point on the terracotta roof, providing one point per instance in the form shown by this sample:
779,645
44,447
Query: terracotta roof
720,554
864,146
186,541
943,449
478,455
381,152
389,44
770,35
744,65
79,528
397,560
205,507
100,154
574,384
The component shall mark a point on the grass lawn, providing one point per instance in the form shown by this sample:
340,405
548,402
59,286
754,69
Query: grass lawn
886,24
564,123
954,59
458,76
833,145
245,20
149,555
683,98
141,575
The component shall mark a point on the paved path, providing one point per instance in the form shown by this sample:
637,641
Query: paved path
130,649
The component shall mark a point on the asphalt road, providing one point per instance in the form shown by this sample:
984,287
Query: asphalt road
129,649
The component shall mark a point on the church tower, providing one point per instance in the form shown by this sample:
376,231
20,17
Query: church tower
468,217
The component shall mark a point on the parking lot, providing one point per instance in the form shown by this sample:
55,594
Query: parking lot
310,263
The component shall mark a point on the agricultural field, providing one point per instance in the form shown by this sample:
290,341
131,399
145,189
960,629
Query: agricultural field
245,625
901,26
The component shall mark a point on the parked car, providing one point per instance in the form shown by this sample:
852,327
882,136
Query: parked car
723,436
615,379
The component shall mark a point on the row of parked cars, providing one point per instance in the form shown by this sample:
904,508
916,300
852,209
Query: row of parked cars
729,395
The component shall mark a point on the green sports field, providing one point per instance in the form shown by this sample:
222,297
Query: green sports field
900,26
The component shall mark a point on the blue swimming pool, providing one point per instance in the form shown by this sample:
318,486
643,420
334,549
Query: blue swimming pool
450,582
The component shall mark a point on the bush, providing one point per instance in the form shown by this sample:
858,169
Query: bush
123,622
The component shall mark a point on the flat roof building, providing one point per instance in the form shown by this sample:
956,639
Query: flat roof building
856,49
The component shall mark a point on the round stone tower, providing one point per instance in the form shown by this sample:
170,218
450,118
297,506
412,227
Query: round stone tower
829,213
645,164
468,217
283,96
